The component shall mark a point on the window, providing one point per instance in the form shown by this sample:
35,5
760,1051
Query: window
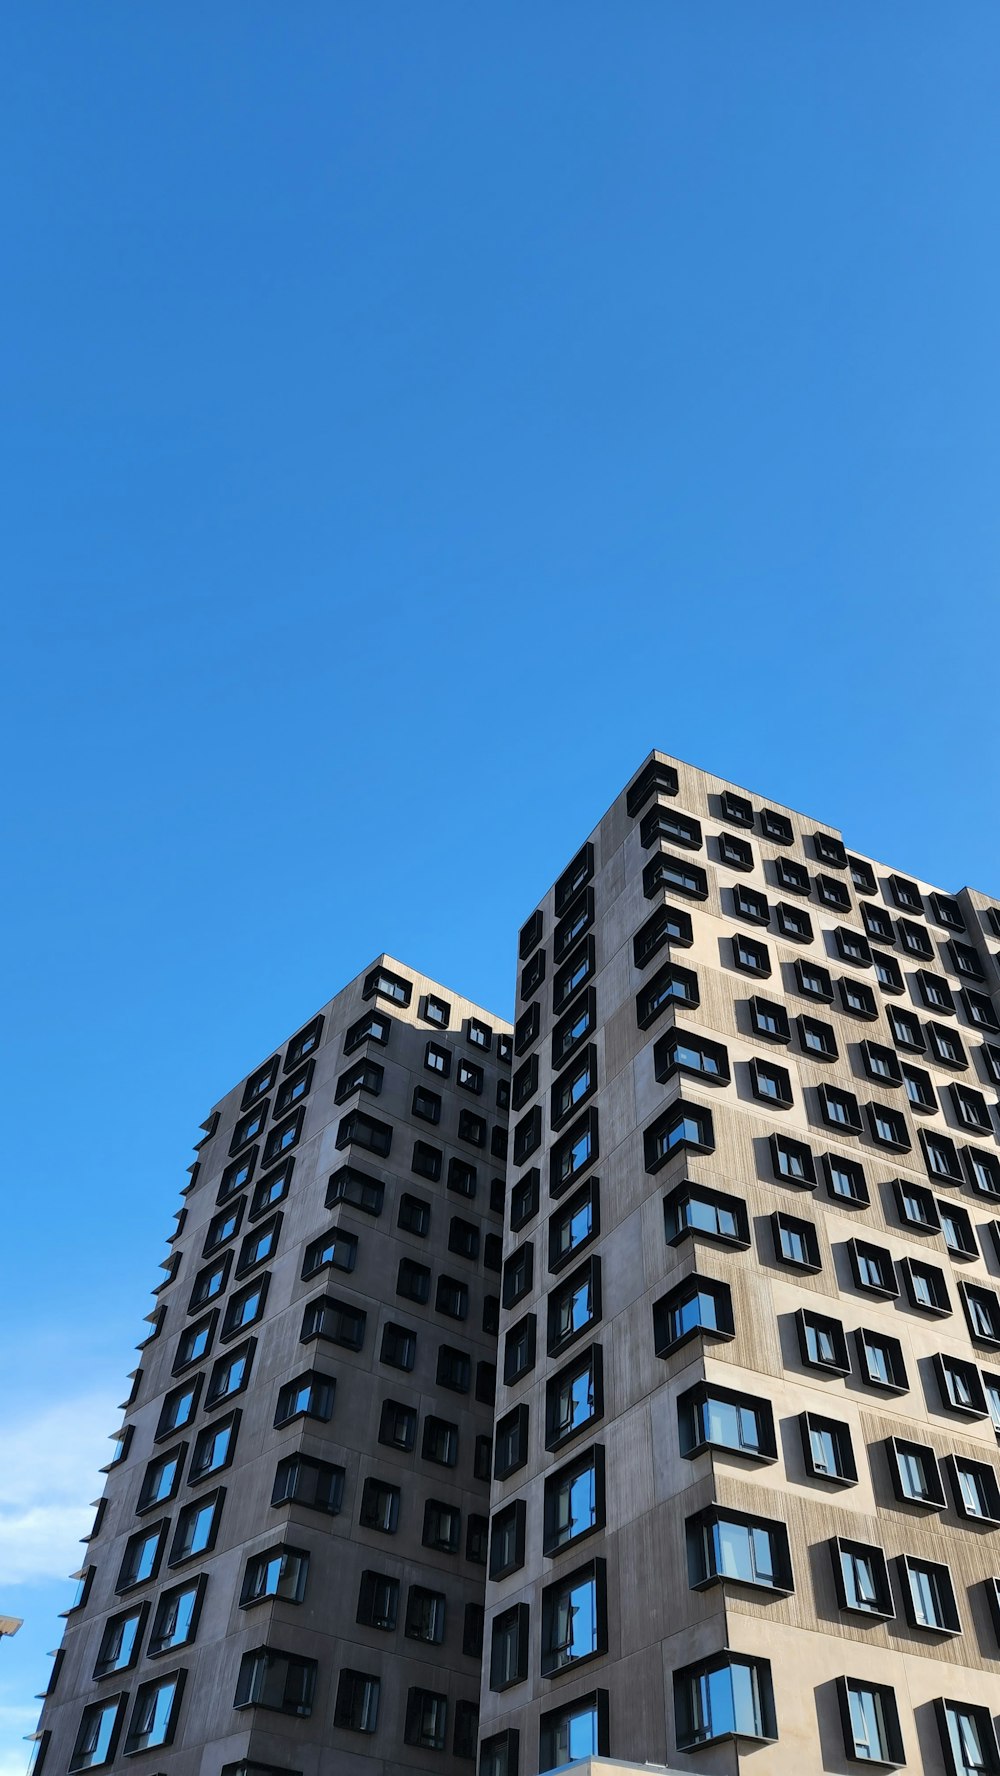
872,1268
668,925
839,1109
245,1308
442,1526
696,1209
795,1242
982,1313
309,1396
161,1479
817,1039
463,1238
574,1086
870,1721
576,1730
454,1369
379,1506
793,875
378,1601
967,1738
210,1283
794,922
214,1448
524,1200
970,1108
574,1398
230,1374
959,1236
888,973
574,1618
574,1501
281,1681
680,1052
302,1480
769,1020
462,1178
915,1476
979,1010
97,1739
770,1083
120,1642
271,1190
397,1425
750,905
479,1034
440,1441
574,1152
360,1130
356,1707
919,1089
735,853
334,1320
983,1170
877,922
725,1544
197,1528
725,1697
915,1206
399,1347
857,998
676,874
575,1306
852,947
697,1306
714,1417
425,1611
579,917
826,1448
974,1489
305,1043
426,1104
154,1713
373,1027
935,991
223,1227
862,1579
575,1223
247,1129
929,1596
195,1342
525,1082
831,893
507,1539
141,1559
509,1647
435,1011
915,940
792,1161
751,957
684,1127
926,1289
670,985
574,1029
906,1030
337,1250
294,1089
357,1189
822,1344
511,1450
845,1181
285,1135
277,1573
519,1350
179,1407
383,984
426,1719
413,1281
776,827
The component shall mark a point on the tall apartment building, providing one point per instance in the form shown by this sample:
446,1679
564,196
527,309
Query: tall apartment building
745,1508
288,1565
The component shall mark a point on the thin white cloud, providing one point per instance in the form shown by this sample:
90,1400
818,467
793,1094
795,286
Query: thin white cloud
49,1473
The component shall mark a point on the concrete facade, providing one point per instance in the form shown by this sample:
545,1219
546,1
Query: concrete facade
434,1591
745,1500
639,1552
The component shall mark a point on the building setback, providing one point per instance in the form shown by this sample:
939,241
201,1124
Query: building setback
745,1509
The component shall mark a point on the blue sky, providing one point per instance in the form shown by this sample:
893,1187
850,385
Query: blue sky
413,415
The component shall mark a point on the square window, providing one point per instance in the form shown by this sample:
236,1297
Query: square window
726,1697
880,1361
776,827
695,1209
667,925
925,1286
845,1181
915,1476
795,1242
857,998
574,1501
574,1618
711,1416
574,1398
770,1083
574,1224
794,922
676,875
870,1722
813,981
862,1579
356,1188
275,1680
699,1306
725,1544
827,1451
576,1730
507,1539
822,1344
792,1161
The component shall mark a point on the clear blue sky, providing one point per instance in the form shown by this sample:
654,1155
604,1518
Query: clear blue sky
413,415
